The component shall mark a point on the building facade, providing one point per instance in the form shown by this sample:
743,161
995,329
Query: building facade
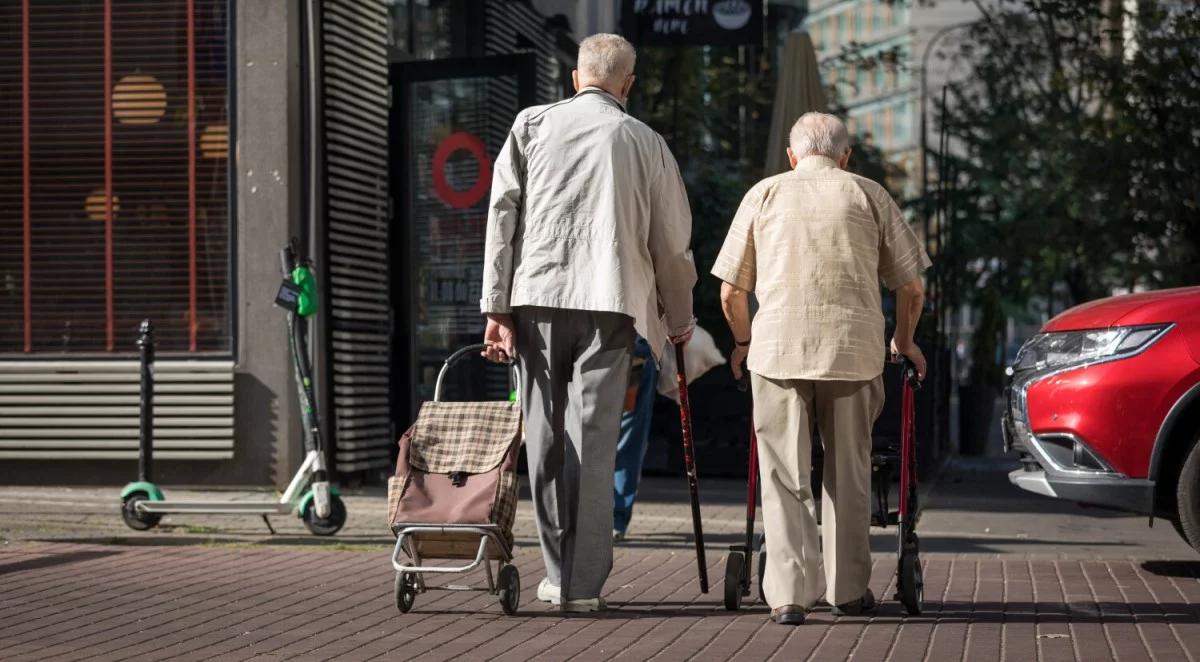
157,156
872,53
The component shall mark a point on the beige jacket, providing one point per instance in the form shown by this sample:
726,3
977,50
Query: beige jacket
589,212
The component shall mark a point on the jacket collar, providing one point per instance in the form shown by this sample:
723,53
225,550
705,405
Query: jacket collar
593,90
815,162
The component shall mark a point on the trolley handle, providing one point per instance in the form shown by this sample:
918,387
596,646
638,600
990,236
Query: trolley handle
460,355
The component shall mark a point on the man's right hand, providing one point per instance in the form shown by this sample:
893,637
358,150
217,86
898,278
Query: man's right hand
500,338
737,360
913,353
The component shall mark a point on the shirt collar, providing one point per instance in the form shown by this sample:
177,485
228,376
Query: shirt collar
816,162
592,89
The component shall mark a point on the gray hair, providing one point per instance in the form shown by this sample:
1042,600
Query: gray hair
605,58
819,134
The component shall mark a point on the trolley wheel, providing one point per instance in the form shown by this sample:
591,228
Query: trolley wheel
329,525
735,571
134,519
406,591
509,583
912,582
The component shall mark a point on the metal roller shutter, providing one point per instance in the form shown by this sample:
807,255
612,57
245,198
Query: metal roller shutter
354,123
88,410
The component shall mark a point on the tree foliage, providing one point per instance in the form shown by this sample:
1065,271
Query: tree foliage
713,106
1072,147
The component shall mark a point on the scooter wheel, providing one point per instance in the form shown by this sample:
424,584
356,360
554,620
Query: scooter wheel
329,525
735,570
134,519
406,591
509,583
912,583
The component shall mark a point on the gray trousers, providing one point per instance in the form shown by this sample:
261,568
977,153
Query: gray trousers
574,366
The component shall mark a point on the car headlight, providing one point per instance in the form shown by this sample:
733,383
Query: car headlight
1067,348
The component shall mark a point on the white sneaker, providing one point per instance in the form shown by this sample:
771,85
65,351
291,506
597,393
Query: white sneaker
585,605
618,537
548,592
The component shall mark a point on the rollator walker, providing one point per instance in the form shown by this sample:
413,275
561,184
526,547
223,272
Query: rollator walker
909,580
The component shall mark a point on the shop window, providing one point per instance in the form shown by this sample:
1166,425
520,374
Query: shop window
114,187
421,29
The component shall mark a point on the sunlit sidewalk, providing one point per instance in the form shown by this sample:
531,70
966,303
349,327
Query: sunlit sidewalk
1008,576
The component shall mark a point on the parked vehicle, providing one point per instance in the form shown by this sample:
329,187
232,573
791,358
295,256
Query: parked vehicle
1104,407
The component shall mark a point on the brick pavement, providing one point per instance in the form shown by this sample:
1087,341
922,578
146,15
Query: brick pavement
73,601
1008,576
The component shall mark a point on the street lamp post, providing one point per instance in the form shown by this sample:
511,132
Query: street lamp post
929,48
938,295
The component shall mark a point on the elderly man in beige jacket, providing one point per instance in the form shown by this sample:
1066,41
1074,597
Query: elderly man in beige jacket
587,244
813,245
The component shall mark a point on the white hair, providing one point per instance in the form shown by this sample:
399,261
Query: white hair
819,134
605,58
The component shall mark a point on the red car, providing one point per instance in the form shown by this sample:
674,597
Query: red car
1104,407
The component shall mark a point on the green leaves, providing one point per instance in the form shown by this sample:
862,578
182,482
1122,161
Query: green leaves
1073,150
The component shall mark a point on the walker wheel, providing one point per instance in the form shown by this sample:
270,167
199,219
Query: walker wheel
406,591
509,583
735,570
135,519
910,582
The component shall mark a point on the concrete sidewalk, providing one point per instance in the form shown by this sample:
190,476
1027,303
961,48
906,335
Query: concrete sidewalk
972,510
1008,576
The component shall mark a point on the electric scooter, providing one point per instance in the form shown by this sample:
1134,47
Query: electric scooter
309,495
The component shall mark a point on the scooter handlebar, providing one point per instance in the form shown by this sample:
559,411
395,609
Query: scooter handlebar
287,261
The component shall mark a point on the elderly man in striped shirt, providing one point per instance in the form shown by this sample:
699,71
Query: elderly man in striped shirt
813,245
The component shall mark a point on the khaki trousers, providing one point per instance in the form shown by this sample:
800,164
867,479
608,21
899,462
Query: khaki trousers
844,412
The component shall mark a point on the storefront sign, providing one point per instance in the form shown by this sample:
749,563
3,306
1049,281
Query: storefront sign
692,22
470,197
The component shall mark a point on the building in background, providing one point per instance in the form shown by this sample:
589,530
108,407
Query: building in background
880,83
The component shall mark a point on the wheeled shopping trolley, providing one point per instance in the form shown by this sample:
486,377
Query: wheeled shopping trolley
454,495
909,579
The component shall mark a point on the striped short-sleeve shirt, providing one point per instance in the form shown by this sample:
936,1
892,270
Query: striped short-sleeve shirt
813,245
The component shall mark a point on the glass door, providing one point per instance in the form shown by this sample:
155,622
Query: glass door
451,119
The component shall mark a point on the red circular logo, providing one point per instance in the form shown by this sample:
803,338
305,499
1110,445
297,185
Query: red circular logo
483,174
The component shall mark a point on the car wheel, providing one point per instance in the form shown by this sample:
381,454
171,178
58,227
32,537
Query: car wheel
1187,498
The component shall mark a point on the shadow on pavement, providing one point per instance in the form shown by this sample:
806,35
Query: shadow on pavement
1188,569
185,540
941,613
51,560
882,541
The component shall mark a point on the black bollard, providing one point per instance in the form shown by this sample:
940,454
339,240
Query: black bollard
146,419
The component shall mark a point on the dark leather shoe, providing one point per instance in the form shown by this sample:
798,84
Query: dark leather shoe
863,605
788,615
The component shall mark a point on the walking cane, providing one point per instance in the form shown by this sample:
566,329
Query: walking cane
689,462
